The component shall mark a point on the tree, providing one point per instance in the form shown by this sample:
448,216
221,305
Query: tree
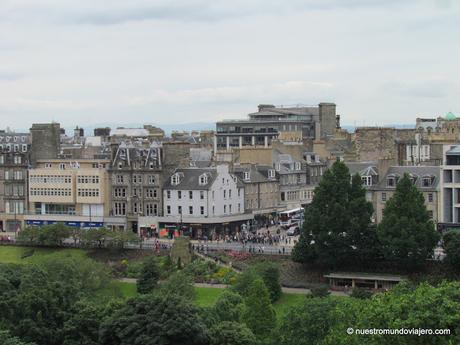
270,274
307,323
149,275
259,315
334,220
244,281
362,234
406,233
229,307
82,328
7,339
96,236
452,249
179,283
231,333
54,234
153,320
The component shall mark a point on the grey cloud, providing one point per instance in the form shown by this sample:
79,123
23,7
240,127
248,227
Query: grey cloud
421,89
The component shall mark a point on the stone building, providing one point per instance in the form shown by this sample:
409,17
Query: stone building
261,188
135,175
45,141
201,202
425,178
74,192
14,162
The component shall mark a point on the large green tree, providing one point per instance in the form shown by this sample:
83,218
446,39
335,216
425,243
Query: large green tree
452,249
155,320
149,275
7,339
336,222
258,313
231,333
406,232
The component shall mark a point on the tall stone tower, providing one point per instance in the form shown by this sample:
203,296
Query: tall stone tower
46,141
327,119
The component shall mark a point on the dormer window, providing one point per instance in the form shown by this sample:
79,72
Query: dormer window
247,176
367,180
391,181
277,166
120,165
413,179
297,166
426,181
203,179
175,179
271,173
308,158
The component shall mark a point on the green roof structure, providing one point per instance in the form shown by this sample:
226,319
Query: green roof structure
450,116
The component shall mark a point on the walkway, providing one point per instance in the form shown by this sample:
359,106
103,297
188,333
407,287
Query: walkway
223,286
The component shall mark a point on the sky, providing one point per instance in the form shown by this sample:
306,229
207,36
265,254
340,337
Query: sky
86,62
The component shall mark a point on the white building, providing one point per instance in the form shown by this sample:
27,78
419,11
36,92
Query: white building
450,185
203,201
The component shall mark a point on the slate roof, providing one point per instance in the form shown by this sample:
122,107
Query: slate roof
190,179
363,168
257,174
418,171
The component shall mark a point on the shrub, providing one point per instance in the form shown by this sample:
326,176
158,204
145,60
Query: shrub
320,291
361,293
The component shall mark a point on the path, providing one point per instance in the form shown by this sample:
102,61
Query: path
223,286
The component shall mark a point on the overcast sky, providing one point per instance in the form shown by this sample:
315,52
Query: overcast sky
170,61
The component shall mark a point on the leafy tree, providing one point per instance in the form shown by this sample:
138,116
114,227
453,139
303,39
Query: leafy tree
365,247
426,307
119,238
29,235
149,275
361,293
96,236
229,306
7,339
179,283
231,333
320,291
407,233
307,323
244,281
54,234
333,220
259,315
452,249
82,328
270,274
153,320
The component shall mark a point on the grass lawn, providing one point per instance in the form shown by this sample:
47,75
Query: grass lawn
206,297
286,302
21,255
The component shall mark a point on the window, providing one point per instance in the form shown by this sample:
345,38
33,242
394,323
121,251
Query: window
202,210
135,207
239,208
120,209
271,173
62,166
297,165
120,179
203,179
190,210
179,209
151,193
179,194
391,182
426,182
246,176
151,209
239,192
201,195
17,159
168,194
366,180
384,197
225,194
430,197
168,209
190,194
175,180
120,192
151,179
225,208
230,208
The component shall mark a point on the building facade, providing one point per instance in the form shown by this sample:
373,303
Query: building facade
135,181
14,162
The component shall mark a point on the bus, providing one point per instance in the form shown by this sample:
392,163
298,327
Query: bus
290,217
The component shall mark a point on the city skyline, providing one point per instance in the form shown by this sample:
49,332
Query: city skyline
170,62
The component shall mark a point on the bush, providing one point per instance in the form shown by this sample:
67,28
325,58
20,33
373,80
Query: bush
361,293
320,291
149,276
270,274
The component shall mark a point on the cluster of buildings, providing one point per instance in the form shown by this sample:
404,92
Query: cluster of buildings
217,182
